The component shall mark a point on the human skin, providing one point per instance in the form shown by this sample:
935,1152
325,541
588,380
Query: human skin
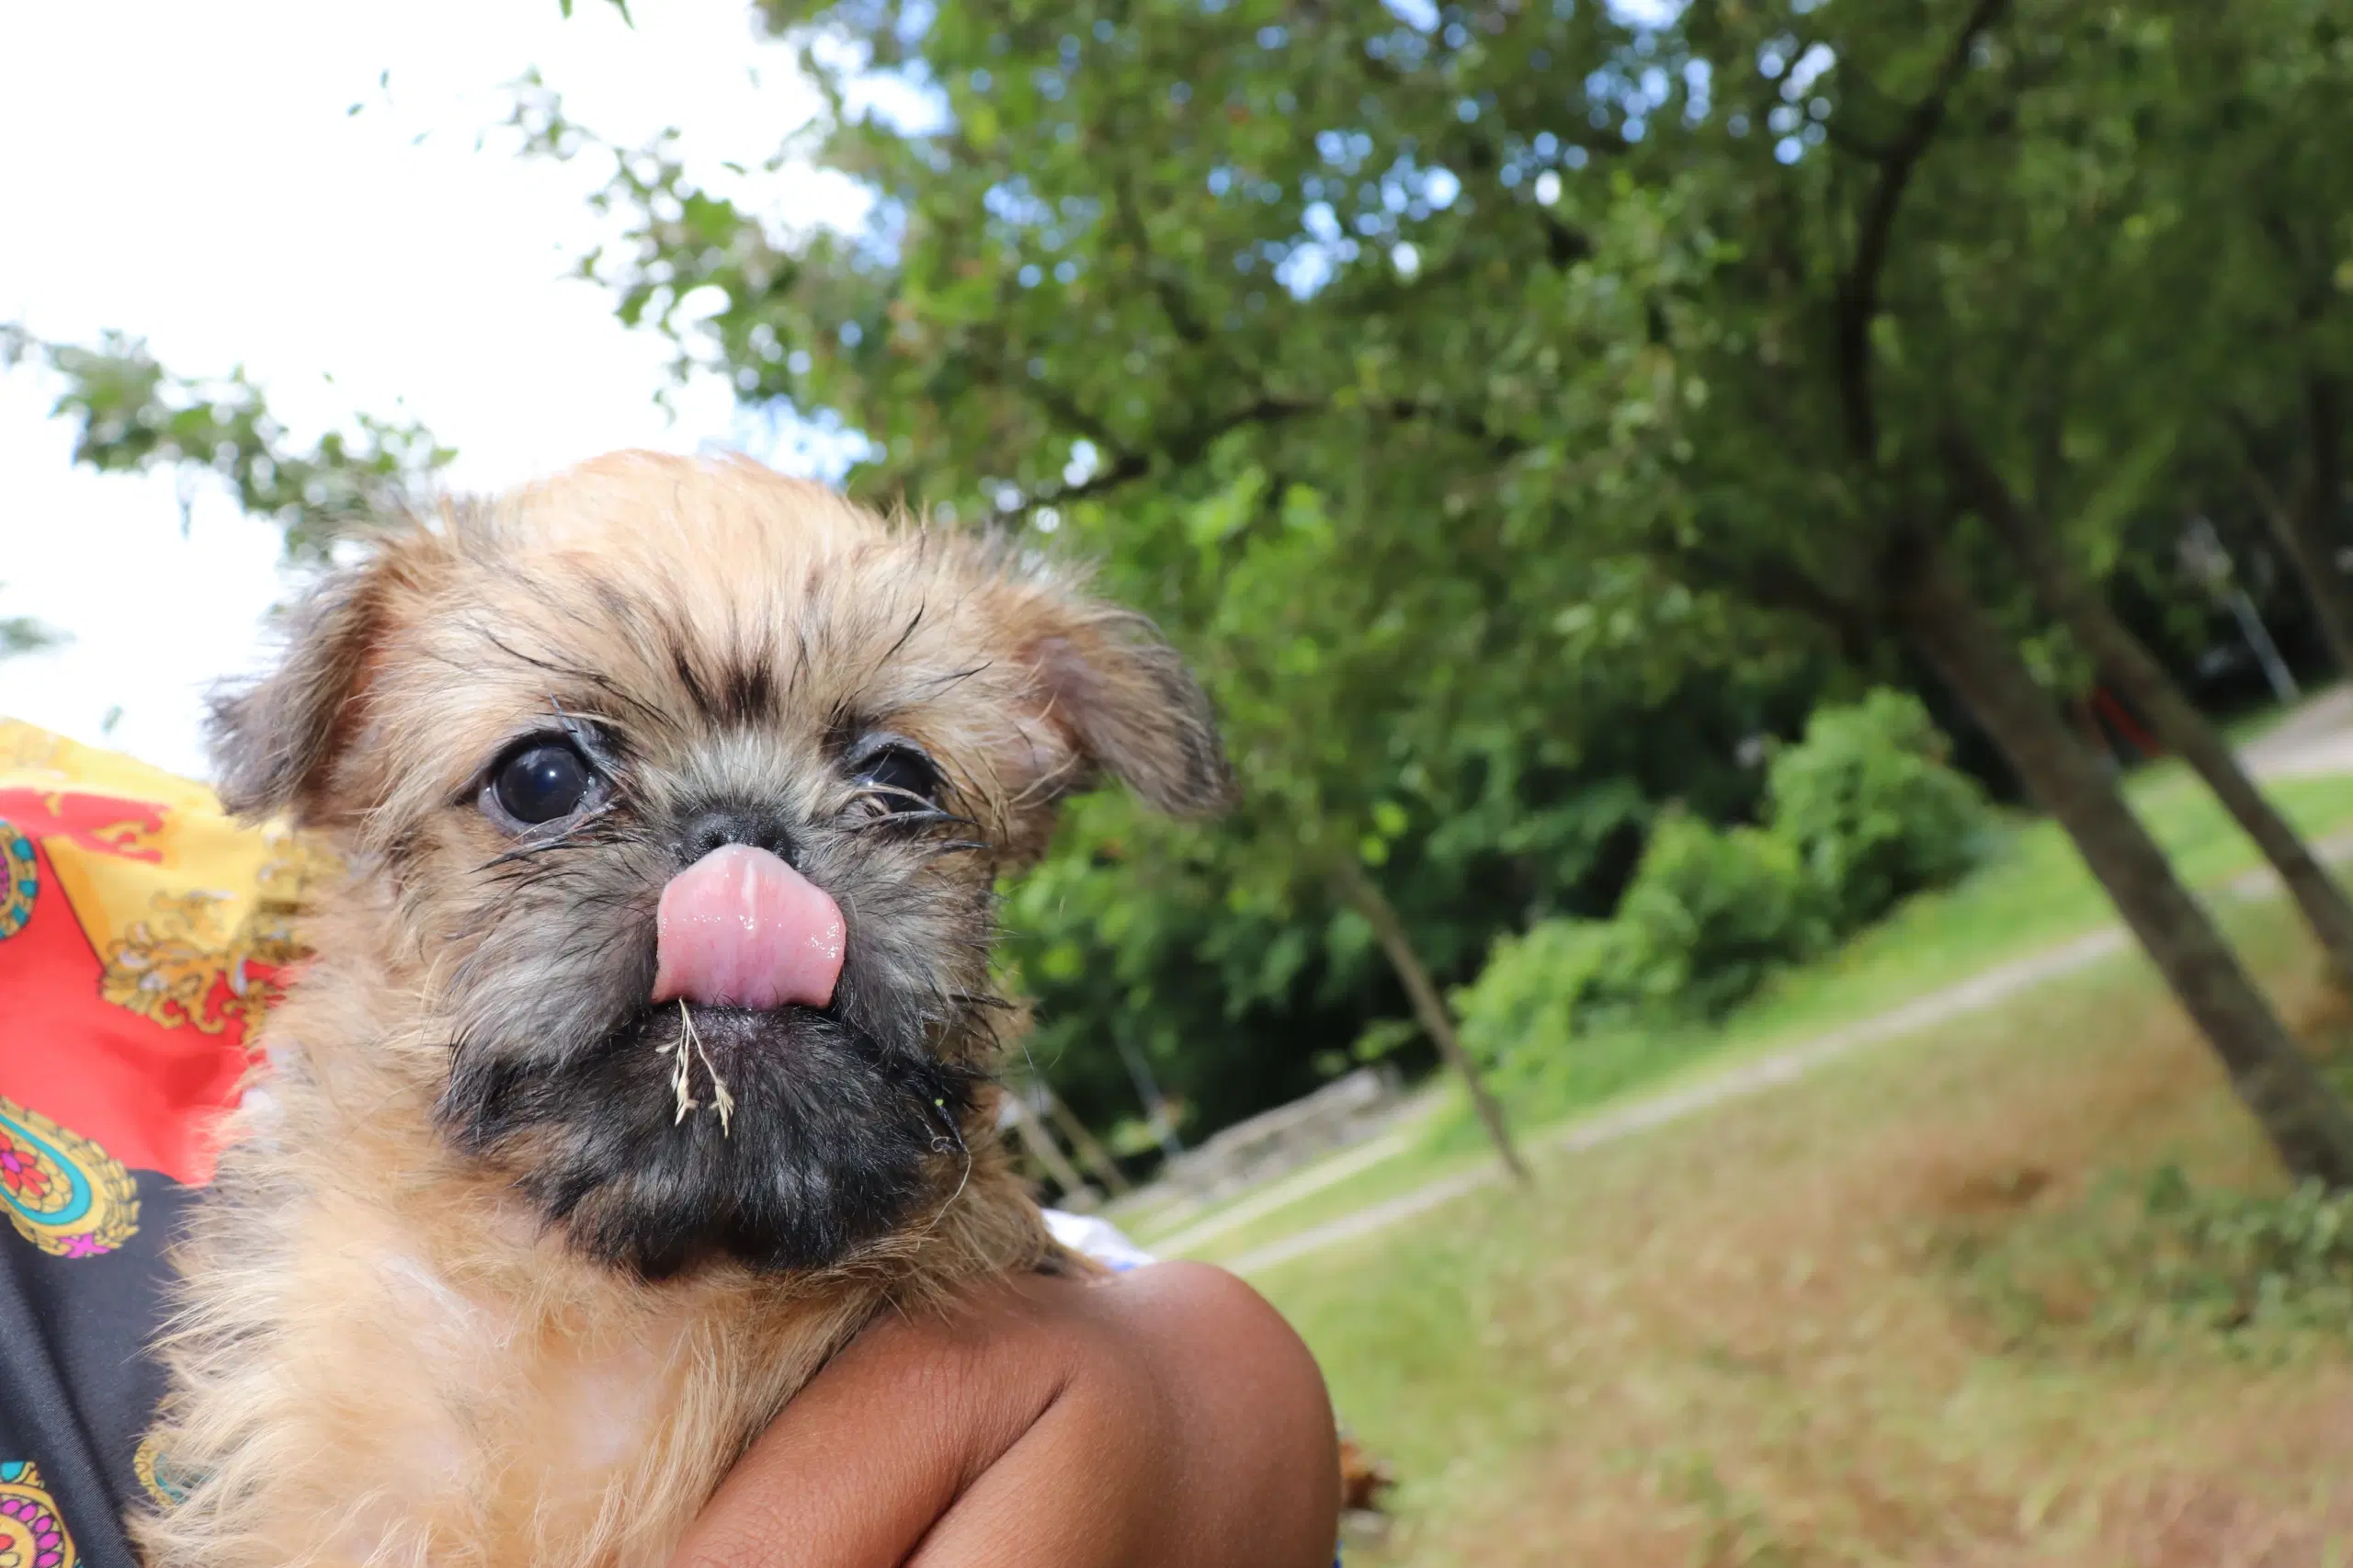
1164,1418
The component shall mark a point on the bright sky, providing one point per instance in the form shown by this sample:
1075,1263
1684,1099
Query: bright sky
193,174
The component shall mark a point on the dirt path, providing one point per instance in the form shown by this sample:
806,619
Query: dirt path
1783,1066
1787,1066
2315,738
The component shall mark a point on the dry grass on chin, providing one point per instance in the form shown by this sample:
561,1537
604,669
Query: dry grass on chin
1754,1339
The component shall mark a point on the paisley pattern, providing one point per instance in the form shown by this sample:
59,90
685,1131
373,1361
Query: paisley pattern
31,1535
63,1193
20,880
153,1468
184,965
159,931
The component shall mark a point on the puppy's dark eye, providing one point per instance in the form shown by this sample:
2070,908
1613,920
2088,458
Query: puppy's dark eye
544,781
899,777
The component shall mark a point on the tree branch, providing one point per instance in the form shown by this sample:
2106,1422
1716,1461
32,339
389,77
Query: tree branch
2314,284
1360,894
2324,421
1130,467
1857,302
1847,140
1064,407
1173,304
1564,247
1126,467
1502,448
1192,444
1776,585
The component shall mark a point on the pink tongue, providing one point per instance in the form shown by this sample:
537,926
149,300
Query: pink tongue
741,928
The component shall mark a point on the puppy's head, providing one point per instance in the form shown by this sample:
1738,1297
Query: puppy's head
686,787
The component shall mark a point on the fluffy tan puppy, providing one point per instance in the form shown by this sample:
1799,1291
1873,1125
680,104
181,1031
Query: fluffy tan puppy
643,1055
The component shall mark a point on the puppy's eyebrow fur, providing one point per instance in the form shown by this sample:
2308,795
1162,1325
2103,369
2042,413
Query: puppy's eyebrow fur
743,689
914,623
748,689
602,682
940,684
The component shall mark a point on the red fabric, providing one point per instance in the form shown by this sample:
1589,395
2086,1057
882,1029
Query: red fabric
149,1095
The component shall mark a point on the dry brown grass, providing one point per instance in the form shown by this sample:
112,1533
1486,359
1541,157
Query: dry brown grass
1751,1340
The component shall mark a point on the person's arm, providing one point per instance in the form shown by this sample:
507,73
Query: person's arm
1164,1418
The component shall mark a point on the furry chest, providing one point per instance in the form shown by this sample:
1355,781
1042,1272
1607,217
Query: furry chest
407,1415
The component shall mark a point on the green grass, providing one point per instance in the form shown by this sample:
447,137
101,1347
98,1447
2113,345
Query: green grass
2033,894
1754,1337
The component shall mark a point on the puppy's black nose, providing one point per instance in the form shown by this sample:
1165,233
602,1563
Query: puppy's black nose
707,829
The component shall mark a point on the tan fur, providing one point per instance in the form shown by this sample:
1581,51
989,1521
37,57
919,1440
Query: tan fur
382,1354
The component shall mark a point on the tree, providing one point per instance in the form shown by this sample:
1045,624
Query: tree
986,391
2268,96
24,634
1919,337
137,417
2121,384
2144,680
1340,657
1627,293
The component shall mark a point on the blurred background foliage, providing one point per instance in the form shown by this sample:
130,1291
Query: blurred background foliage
1860,814
1525,412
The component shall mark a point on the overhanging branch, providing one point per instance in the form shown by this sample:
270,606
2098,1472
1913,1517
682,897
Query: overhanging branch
1775,584
1857,302
1123,466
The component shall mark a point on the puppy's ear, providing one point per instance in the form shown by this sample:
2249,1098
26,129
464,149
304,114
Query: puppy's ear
273,741
1129,708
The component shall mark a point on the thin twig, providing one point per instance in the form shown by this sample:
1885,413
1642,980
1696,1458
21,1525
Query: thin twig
689,1045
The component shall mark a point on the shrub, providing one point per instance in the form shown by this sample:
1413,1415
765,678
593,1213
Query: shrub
2170,1262
1863,812
1871,808
1708,914
1552,1018
2232,1262
1538,990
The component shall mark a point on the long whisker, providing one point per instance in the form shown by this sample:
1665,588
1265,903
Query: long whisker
575,836
928,816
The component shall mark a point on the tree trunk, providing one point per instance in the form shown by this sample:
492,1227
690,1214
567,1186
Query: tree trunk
1366,899
2305,524
2307,1124
2128,662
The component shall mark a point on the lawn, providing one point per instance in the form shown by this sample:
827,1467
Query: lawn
1792,1331
2032,893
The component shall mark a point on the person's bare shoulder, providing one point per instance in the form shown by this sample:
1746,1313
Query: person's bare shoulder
1168,1417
